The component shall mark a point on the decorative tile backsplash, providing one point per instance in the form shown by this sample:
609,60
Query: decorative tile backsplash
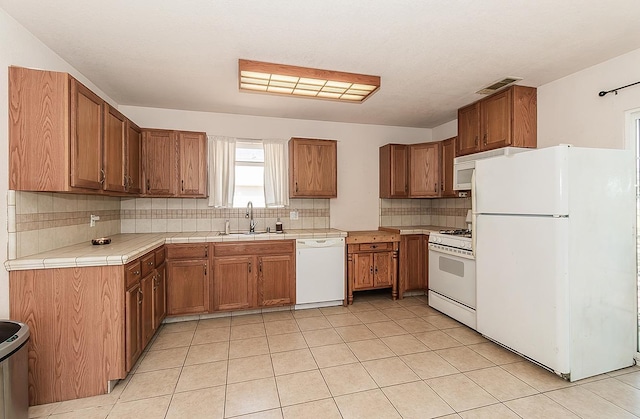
445,212
159,215
41,221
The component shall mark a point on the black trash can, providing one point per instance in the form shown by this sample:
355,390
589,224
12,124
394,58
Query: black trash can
14,387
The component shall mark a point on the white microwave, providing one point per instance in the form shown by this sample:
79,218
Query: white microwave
464,166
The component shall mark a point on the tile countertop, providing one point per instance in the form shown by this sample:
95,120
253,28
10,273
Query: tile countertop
127,247
404,230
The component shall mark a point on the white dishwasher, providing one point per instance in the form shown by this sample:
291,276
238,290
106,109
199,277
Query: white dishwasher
320,272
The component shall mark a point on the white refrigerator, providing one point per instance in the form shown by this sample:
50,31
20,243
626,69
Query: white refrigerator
556,257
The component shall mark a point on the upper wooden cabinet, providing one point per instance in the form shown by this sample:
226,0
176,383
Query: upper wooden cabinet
394,170
424,170
133,158
113,163
192,164
312,168
506,118
446,164
174,163
65,138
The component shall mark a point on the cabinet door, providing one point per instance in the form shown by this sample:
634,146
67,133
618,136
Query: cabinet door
394,171
234,280
187,287
159,297
424,167
363,274
276,285
412,262
113,163
495,116
425,246
193,164
448,154
313,168
86,138
468,129
159,162
383,269
146,287
133,155
133,346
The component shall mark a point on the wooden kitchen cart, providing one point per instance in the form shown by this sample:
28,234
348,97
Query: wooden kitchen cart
372,262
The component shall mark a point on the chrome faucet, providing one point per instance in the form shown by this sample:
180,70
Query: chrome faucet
249,214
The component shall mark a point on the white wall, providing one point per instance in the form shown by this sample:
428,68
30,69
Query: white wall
18,47
356,207
571,112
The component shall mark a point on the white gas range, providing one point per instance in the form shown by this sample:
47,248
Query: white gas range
452,275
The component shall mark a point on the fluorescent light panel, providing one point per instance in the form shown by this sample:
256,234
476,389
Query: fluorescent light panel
257,76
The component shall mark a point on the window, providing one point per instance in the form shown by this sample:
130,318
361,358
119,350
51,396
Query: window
249,174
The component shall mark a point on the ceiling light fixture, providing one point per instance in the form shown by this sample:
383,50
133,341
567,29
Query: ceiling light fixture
257,76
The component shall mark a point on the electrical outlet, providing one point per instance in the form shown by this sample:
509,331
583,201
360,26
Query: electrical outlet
93,219
293,215
462,194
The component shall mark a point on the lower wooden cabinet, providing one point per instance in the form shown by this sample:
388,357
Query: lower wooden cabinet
258,274
275,284
413,262
372,262
133,326
233,283
188,283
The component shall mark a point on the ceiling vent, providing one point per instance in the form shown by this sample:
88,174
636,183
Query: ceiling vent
494,87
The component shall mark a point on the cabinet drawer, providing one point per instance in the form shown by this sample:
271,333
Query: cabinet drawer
187,251
148,263
364,247
256,248
160,255
132,273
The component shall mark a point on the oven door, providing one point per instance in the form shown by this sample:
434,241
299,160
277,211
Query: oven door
453,277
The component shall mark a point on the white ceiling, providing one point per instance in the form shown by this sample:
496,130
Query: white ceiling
432,55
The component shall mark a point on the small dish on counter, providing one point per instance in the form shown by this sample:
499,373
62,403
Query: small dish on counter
100,241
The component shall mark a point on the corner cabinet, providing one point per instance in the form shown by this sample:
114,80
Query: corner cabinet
106,315
258,274
506,118
65,138
372,262
174,163
312,168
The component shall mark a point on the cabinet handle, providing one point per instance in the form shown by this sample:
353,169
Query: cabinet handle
205,269
103,176
260,266
370,269
150,263
249,267
296,186
140,296
374,246
148,185
442,187
435,187
206,251
476,141
136,273
182,185
484,139
125,183
376,270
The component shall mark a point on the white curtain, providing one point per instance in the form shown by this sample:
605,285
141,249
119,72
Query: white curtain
276,173
222,170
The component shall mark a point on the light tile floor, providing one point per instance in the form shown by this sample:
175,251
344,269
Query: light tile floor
375,359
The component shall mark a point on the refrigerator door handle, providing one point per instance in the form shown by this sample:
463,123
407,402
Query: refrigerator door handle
474,235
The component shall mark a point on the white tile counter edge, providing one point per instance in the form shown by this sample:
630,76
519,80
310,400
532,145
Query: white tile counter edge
127,247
